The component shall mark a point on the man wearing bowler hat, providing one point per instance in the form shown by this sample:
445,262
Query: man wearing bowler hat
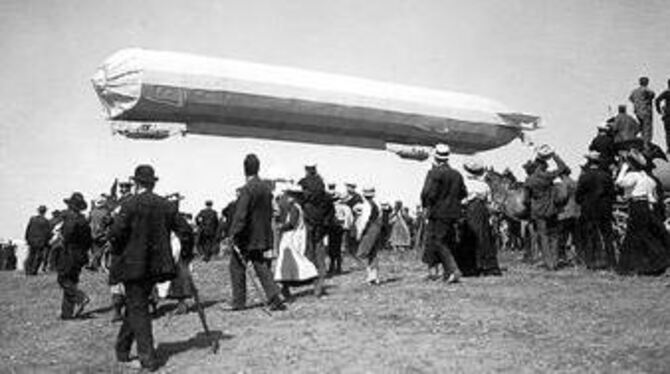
140,238
74,255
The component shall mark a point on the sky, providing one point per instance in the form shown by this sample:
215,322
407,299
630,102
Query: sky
570,62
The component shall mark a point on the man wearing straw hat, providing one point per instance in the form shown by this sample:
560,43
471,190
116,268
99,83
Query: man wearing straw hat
442,193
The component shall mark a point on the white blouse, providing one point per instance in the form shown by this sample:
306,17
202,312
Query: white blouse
477,189
637,184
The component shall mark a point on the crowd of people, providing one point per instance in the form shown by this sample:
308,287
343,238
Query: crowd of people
297,234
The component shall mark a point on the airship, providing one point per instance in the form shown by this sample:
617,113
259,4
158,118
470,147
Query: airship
225,97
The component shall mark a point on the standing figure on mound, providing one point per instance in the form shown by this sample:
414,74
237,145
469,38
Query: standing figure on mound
319,213
140,239
37,237
625,130
478,236
369,223
441,196
292,265
251,232
642,99
646,246
207,222
74,255
662,104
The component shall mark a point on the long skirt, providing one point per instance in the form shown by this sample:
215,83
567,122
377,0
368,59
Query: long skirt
596,247
292,264
646,247
400,235
477,253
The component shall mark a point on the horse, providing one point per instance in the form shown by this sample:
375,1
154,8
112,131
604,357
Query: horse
511,208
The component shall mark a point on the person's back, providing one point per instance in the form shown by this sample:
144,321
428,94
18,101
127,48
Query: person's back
207,221
38,231
595,193
442,193
252,223
315,199
642,99
141,237
603,143
625,128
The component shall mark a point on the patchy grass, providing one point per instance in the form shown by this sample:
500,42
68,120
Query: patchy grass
529,320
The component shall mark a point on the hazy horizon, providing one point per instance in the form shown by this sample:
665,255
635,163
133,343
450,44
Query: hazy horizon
569,62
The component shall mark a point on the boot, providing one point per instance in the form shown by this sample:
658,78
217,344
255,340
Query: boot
117,304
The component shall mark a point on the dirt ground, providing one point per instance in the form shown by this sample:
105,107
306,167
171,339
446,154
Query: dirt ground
529,320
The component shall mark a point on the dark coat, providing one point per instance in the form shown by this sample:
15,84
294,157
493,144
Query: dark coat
76,242
316,203
625,128
604,144
251,228
140,238
595,193
208,222
38,232
540,184
442,193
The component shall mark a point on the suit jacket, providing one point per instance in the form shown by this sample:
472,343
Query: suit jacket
38,232
316,203
76,242
208,222
140,238
251,228
442,193
595,193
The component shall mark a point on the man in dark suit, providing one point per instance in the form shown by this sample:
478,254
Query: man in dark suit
140,238
207,222
37,236
251,232
74,255
441,195
319,215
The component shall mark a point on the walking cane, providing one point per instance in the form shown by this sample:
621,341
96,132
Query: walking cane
201,313
250,274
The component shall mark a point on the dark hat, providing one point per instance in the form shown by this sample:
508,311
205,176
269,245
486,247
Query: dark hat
209,203
76,201
310,167
369,192
42,209
144,173
350,184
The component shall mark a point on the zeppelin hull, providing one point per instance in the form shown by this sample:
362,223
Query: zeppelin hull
217,97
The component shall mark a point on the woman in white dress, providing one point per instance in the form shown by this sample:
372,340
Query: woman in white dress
645,248
292,266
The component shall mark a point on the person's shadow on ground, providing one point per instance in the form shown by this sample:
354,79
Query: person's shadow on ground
200,341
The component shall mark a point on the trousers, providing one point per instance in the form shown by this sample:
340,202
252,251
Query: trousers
315,251
137,324
72,295
238,277
441,239
548,236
